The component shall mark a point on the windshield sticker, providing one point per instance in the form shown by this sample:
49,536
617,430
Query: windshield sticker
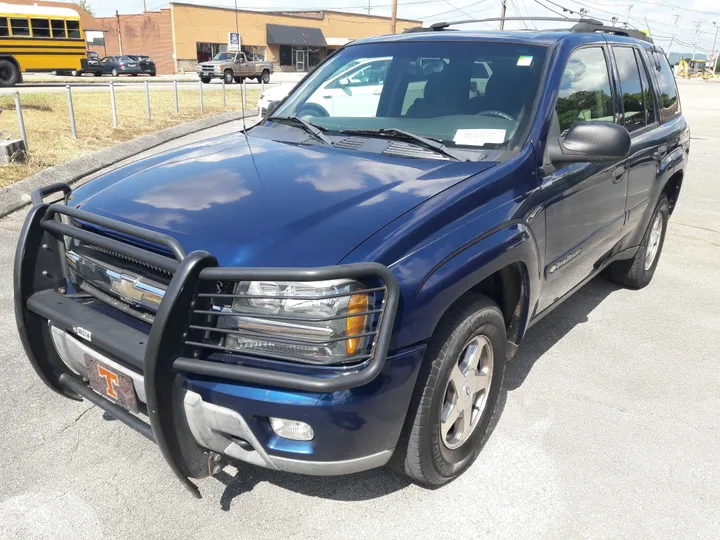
479,137
525,61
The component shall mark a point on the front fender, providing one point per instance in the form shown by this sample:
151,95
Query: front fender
450,278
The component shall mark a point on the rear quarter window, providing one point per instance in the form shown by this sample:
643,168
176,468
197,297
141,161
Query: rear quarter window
667,90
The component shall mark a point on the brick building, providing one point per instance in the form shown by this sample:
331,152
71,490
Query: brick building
183,34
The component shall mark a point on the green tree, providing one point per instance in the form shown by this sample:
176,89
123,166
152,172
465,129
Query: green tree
85,4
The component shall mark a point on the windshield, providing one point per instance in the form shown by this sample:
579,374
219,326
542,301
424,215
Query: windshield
224,57
461,93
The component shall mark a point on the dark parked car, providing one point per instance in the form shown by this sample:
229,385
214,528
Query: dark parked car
146,63
120,65
326,293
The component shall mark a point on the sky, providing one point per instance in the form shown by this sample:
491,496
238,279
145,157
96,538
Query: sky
689,21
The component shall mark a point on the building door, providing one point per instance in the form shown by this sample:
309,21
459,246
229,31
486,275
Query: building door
300,59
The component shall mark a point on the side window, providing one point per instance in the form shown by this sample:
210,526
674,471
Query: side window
585,89
647,90
58,28
372,74
40,28
669,104
73,28
20,27
631,88
4,30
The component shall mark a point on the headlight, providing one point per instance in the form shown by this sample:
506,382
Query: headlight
319,322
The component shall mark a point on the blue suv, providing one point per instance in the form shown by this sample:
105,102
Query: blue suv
330,292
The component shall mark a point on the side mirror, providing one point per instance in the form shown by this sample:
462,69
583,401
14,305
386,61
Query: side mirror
271,108
593,142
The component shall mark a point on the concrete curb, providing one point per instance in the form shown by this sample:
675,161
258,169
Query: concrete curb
17,195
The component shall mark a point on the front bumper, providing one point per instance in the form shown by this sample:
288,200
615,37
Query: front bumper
196,405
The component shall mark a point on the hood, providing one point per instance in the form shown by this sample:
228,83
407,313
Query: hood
282,204
215,62
277,92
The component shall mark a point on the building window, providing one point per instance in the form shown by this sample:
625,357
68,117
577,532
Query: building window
254,52
286,55
206,51
58,28
40,28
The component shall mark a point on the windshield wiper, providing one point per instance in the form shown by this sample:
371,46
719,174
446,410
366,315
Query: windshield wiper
432,144
312,129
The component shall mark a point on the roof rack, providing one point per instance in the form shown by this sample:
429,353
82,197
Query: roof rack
582,25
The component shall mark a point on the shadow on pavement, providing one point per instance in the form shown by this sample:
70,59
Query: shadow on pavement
554,327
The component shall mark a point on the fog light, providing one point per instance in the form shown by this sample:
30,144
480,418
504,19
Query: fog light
292,429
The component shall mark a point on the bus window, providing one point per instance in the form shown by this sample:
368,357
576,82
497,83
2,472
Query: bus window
73,28
40,28
20,27
4,30
58,28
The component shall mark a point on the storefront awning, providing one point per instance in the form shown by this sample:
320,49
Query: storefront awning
278,34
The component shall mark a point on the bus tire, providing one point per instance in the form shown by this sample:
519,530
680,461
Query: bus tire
9,73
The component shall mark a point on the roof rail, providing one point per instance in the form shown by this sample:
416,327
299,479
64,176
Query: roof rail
615,30
444,25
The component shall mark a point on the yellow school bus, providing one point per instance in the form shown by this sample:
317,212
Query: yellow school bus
39,38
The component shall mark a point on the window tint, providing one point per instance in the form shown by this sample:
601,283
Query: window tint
669,105
647,90
585,89
20,27
631,88
73,28
4,31
40,28
58,28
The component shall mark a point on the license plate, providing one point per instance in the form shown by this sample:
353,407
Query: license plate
112,384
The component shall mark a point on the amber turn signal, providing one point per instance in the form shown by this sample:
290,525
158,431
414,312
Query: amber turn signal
358,303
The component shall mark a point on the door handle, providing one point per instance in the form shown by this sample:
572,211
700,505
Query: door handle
326,96
618,174
661,152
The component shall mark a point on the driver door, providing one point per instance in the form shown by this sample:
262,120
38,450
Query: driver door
584,202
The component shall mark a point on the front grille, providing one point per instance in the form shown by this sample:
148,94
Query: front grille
207,69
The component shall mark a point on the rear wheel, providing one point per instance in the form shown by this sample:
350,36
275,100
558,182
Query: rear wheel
115,73
637,272
456,394
9,73
265,77
228,76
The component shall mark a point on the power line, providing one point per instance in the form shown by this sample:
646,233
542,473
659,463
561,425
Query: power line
550,9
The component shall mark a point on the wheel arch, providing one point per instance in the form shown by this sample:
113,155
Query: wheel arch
671,189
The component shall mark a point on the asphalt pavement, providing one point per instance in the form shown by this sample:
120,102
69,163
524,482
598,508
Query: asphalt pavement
609,427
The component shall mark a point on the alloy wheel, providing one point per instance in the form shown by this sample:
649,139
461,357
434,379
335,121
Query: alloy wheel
653,245
466,392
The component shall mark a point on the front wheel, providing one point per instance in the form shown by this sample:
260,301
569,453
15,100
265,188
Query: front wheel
456,394
637,272
228,77
115,73
9,73
205,80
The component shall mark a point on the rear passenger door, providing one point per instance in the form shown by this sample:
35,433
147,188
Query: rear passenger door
639,115
584,202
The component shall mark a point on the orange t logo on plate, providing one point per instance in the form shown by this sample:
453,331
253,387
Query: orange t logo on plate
111,380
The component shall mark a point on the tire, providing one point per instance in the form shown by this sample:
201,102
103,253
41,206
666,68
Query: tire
228,76
312,109
134,74
637,272
426,454
9,74
239,80
152,74
205,80
115,73
265,77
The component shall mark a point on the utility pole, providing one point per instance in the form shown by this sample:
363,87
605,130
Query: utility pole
117,18
614,20
648,28
627,17
144,6
393,22
368,7
503,9
697,32
237,25
714,50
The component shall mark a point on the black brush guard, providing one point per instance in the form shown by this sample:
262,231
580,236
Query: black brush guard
167,352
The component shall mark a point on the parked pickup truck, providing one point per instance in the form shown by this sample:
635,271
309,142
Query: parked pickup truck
327,293
234,67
